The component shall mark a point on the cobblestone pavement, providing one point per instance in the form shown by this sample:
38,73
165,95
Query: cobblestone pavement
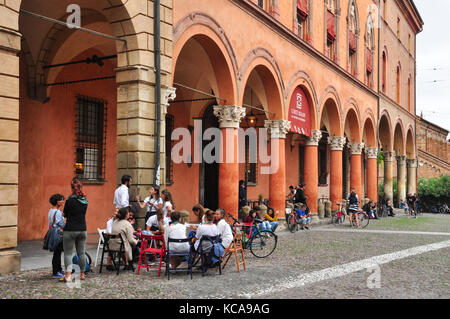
420,276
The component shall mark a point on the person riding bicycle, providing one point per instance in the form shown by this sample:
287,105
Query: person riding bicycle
353,205
304,217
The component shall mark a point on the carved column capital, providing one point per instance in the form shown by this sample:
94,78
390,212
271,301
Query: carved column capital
372,152
169,95
411,163
356,148
388,156
401,159
277,128
314,139
337,142
230,116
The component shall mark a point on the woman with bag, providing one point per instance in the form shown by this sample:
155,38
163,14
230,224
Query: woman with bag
75,234
56,220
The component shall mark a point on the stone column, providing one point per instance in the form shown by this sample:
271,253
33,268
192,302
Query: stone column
412,175
372,182
229,119
9,139
401,178
355,168
136,133
388,186
277,179
312,172
337,146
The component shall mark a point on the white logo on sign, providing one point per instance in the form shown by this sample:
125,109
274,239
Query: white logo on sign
299,101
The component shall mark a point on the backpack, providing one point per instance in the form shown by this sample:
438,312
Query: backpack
88,262
215,255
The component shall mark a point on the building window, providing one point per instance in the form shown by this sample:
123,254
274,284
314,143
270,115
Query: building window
370,45
352,39
398,28
90,142
398,84
262,4
331,29
409,95
409,43
169,164
383,79
302,18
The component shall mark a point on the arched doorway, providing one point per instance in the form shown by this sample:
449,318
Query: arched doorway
209,172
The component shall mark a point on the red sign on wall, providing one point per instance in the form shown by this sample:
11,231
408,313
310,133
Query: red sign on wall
299,113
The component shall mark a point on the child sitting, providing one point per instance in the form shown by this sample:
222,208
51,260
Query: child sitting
305,219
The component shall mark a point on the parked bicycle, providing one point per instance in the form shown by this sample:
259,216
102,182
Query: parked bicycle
338,217
363,219
261,243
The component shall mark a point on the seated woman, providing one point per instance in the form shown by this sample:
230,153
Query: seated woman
122,226
223,227
371,209
207,229
272,218
254,218
199,211
176,231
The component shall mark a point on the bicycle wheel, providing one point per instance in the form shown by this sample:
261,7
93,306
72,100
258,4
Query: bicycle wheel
263,243
292,223
363,220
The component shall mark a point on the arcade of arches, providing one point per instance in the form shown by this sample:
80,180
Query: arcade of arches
322,123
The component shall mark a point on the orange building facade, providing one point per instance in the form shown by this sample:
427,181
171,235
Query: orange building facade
225,64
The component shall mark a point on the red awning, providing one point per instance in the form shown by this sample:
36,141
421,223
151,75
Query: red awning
352,41
369,60
300,113
331,26
302,8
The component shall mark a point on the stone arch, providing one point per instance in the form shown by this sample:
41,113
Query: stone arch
261,61
259,54
180,37
399,138
410,143
54,39
385,131
331,107
369,132
352,122
216,51
302,79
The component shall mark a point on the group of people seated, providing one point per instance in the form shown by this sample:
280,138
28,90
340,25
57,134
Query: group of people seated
264,220
170,225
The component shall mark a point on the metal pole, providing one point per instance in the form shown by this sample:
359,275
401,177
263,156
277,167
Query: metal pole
157,45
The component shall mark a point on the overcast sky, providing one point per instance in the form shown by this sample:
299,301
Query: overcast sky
433,62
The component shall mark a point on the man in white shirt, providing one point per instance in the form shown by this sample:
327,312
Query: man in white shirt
157,223
121,195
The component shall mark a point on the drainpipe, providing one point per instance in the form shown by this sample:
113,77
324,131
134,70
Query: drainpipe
378,102
157,46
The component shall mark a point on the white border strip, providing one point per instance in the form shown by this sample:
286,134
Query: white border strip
382,231
342,270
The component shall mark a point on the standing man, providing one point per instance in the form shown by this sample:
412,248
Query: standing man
242,194
121,195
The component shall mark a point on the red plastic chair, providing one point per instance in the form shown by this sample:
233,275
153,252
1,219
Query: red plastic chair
147,249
